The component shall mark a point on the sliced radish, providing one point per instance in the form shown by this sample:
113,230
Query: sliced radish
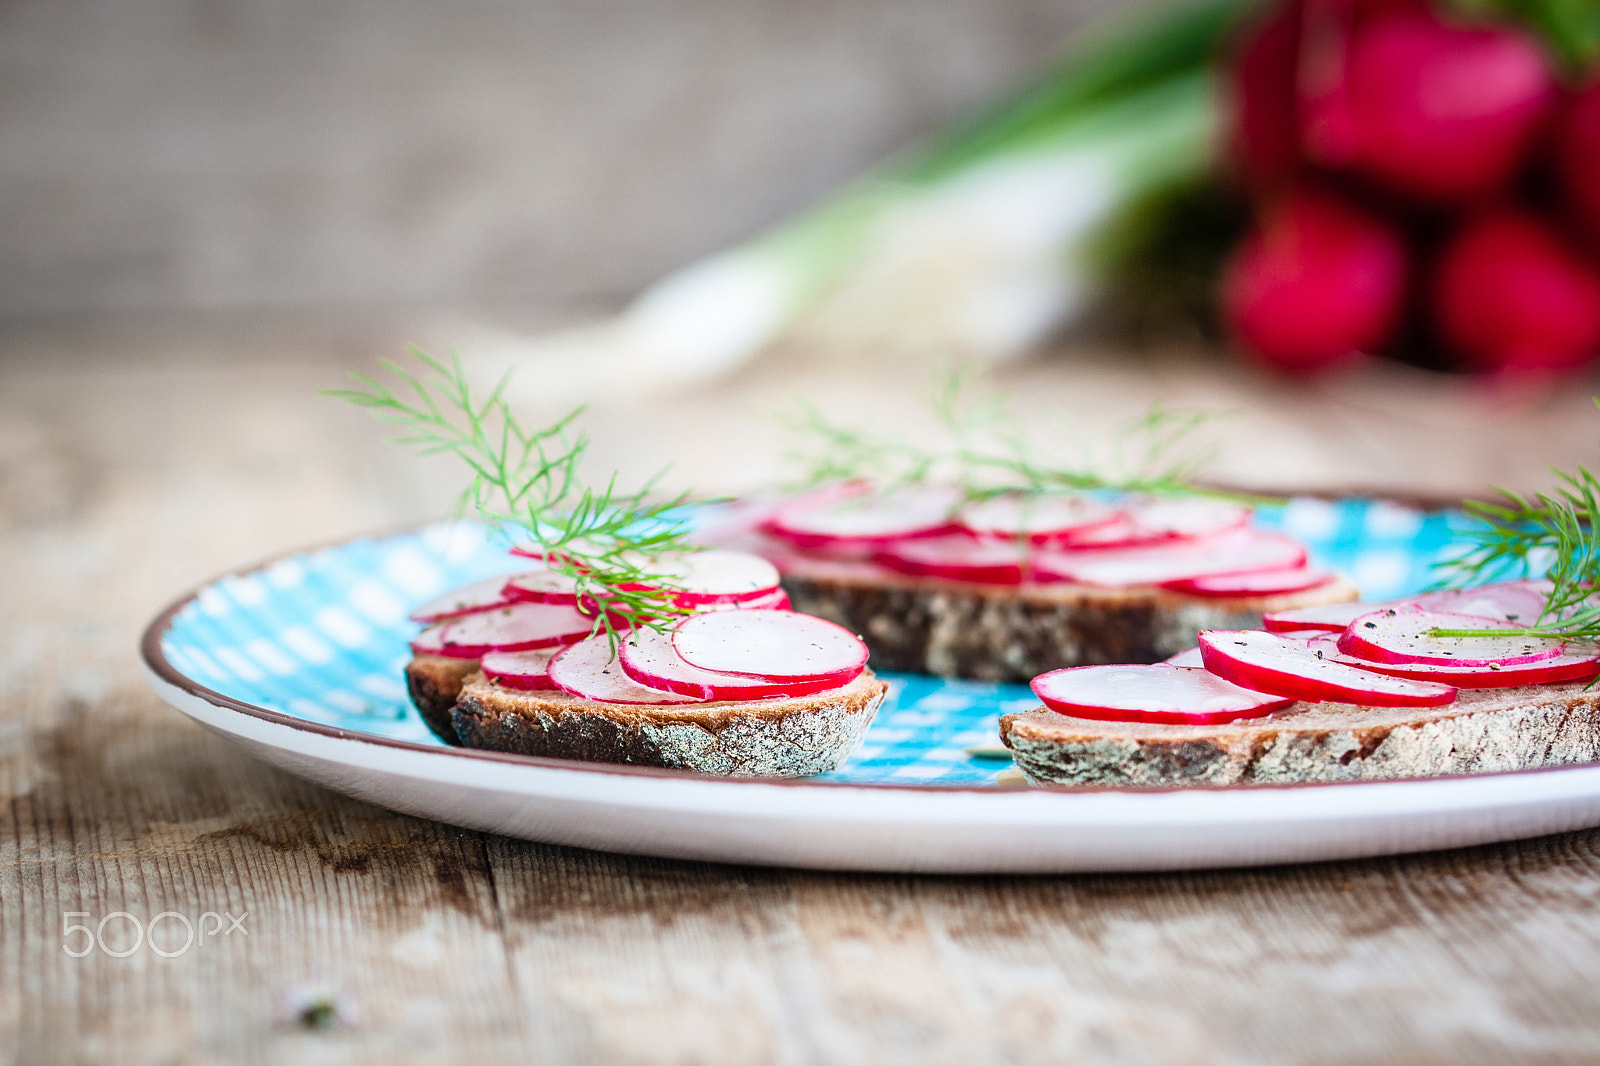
1189,657
544,586
519,627
770,645
1259,583
479,596
650,659
1402,635
1242,552
1571,665
854,513
1328,617
589,670
719,577
1161,693
960,558
525,670
1035,517
1268,662
1159,521
1515,601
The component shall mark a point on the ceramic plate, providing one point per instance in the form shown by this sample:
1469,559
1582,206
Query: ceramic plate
301,659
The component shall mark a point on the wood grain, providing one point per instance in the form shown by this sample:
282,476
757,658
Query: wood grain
136,460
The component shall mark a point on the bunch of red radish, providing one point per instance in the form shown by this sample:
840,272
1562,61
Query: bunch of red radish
1418,183
536,631
1196,546
1374,655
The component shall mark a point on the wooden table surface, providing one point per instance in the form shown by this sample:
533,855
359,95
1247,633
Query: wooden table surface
137,459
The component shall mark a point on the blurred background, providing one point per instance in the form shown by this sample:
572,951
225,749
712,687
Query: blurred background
1357,229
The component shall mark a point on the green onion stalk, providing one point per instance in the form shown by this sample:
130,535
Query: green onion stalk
974,245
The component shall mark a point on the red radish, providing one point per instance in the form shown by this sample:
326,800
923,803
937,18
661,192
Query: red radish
1243,552
647,655
1265,135
544,586
479,596
1161,521
1189,657
1331,617
1268,662
855,514
960,558
1036,518
776,600
1509,295
528,671
519,627
1571,665
1515,601
1260,583
719,577
1402,635
1164,694
1444,113
1314,282
770,646
590,671
1577,152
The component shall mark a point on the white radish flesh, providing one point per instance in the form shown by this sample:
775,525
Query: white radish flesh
719,577
544,586
518,627
479,596
854,513
1327,617
1160,693
1160,521
1036,518
1402,635
525,670
1260,583
960,558
650,659
1520,602
1187,657
1243,552
590,671
770,645
1577,663
1268,662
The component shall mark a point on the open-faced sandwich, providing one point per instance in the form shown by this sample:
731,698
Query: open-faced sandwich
1009,584
1443,683
732,682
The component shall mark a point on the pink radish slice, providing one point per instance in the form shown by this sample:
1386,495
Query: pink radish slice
1329,617
1242,552
544,586
1570,665
525,670
479,596
776,600
770,646
1260,583
1158,521
1401,635
1036,518
1161,693
960,558
1189,657
1271,663
854,513
518,627
719,577
649,658
589,670
1515,601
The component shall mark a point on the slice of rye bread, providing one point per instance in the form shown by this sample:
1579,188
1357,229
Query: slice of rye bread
755,738
1483,731
435,682
1017,632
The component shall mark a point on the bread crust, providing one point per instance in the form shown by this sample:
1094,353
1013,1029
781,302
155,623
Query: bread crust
434,682
1483,731
793,737
1016,632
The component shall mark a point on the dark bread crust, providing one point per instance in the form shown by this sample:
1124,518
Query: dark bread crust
1016,632
435,682
760,738
1483,731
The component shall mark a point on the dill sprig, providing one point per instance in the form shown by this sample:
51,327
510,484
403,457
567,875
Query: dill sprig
1159,453
526,483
